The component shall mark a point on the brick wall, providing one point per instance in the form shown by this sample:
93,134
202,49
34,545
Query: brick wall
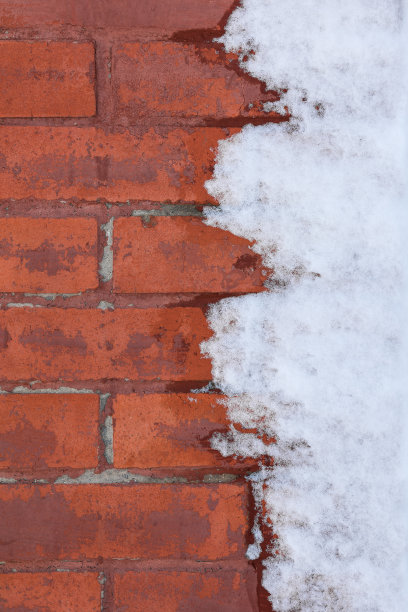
111,498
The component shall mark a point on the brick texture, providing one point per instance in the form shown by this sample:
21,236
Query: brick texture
201,522
48,255
46,79
111,495
88,164
48,344
169,15
50,592
48,431
159,430
181,255
214,591
180,80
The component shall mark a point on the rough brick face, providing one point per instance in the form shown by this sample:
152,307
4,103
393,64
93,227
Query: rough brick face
170,15
90,164
162,430
50,592
111,496
215,591
162,79
48,431
206,522
46,79
48,344
181,255
48,255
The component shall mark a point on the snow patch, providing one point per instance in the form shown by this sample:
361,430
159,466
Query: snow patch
317,363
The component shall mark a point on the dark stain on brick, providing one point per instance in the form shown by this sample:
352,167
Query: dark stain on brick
42,525
138,343
27,446
190,527
248,262
41,340
4,338
181,348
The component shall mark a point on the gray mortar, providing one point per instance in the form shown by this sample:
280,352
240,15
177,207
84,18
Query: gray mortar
105,305
106,263
60,390
170,210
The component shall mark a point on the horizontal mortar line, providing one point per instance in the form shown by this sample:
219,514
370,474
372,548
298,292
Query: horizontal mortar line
131,477
66,32
121,565
115,385
77,206
144,124
107,296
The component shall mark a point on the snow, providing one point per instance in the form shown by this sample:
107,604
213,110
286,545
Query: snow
318,362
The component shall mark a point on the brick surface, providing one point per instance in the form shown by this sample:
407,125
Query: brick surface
180,80
74,344
48,255
216,591
161,430
50,592
48,431
88,163
46,79
206,522
162,14
181,255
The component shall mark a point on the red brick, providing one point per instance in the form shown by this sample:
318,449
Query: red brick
182,255
48,255
224,590
46,79
170,430
74,344
147,521
48,431
180,80
169,15
89,164
50,592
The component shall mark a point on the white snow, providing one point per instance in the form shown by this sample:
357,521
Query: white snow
319,362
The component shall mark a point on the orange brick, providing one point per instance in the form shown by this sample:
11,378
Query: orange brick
48,255
170,430
180,80
46,79
181,255
50,592
169,15
74,344
147,521
89,164
48,431
217,590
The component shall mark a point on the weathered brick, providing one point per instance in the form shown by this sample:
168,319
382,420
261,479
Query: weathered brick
167,430
46,79
221,590
147,521
169,15
48,255
48,431
74,344
90,164
181,255
180,80
50,592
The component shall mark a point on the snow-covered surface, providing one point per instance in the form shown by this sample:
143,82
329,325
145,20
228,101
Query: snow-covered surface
319,362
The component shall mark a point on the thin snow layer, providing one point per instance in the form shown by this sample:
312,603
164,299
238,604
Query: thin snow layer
317,362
